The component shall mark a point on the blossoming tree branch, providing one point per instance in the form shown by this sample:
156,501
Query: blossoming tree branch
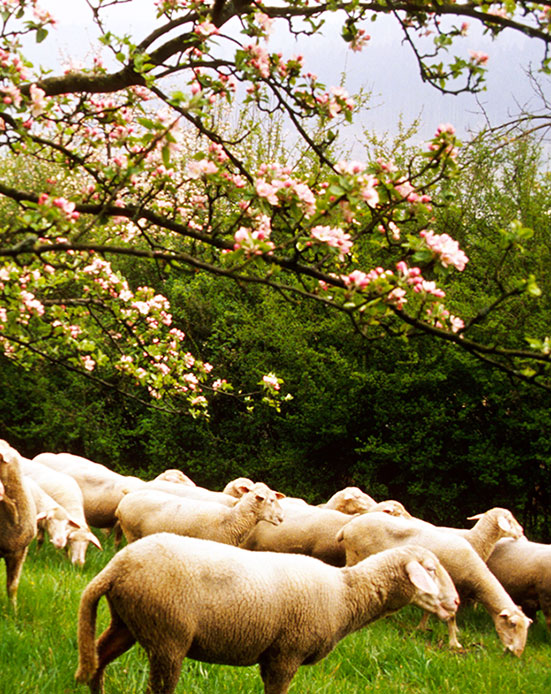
125,157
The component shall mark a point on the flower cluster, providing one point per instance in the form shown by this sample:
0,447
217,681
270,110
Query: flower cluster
445,249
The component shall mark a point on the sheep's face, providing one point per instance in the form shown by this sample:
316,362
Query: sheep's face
267,501
512,628
434,590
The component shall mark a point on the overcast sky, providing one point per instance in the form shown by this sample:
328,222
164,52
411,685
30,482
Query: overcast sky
384,67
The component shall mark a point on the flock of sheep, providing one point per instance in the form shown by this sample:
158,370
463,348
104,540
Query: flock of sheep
247,575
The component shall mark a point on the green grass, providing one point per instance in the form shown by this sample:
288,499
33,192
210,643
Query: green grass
38,649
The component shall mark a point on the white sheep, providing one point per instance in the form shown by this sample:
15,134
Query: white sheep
51,517
65,490
17,518
145,512
373,532
238,487
101,488
309,530
193,492
490,526
524,569
176,476
350,500
305,530
182,597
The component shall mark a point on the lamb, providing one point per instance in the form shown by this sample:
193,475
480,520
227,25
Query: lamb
65,490
373,532
350,500
17,518
50,516
524,569
183,597
145,512
101,488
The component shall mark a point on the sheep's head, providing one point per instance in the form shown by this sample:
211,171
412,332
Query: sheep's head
267,504
512,628
504,520
434,589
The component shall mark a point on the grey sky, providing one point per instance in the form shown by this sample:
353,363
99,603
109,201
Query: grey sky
384,67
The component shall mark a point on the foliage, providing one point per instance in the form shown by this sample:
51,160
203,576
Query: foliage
134,158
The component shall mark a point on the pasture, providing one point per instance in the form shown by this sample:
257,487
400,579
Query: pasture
38,649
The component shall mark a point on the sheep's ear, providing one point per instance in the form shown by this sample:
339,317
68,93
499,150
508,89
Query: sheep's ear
279,495
504,524
244,488
2,490
94,540
420,578
477,517
73,523
41,516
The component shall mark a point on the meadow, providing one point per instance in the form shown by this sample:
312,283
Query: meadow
38,648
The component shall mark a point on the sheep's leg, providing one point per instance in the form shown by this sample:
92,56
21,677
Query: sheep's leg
424,621
452,634
164,673
277,675
14,565
114,641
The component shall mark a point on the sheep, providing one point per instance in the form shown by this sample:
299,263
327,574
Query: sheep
189,492
238,487
145,512
17,518
373,532
182,597
524,569
50,516
305,530
489,528
65,490
309,530
175,476
101,488
350,500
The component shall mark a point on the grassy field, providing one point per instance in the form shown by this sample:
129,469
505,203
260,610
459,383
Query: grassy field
38,650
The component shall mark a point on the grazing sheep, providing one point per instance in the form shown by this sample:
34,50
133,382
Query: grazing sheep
65,490
17,518
373,532
175,476
305,530
350,500
182,597
524,569
490,527
238,487
189,492
101,488
50,516
147,511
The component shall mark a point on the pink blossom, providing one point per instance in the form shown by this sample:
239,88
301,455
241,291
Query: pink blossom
88,363
200,168
357,279
206,29
266,190
478,57
271,381
334,237
446,248
397,297
456,323
38,101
